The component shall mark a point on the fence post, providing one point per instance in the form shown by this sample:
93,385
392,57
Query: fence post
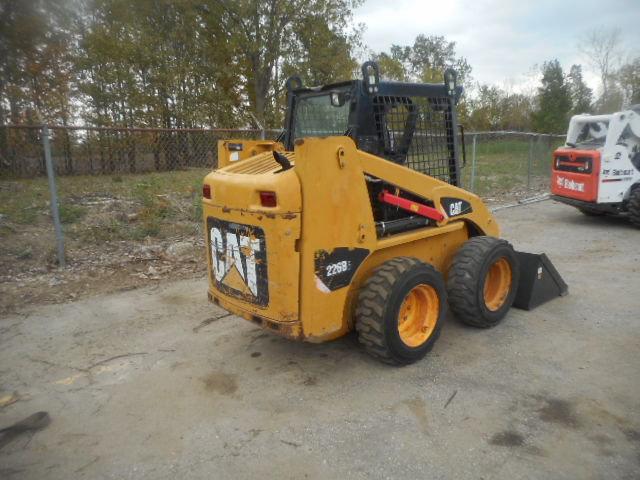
55,214
530,163
473,164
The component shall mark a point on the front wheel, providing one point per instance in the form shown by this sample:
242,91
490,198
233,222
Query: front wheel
483,280
400,309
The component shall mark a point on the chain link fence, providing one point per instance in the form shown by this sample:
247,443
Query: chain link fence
506,166
105,150
490,156
496,162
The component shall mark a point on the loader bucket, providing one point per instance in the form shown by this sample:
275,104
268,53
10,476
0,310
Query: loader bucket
539,281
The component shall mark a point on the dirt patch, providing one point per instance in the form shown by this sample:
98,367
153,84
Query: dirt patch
632,435
111,271
220,382
560,412
604,444
310,381
418,408
120,233
208,321
507,438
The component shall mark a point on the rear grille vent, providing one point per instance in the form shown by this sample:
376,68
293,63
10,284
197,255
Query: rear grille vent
262,163
576,165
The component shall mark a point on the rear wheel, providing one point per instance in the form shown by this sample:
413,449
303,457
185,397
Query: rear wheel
634,207
400,310
482,281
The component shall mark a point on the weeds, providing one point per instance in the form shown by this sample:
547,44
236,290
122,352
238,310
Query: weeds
70,213
24,254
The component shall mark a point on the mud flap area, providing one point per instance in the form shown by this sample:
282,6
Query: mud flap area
539,281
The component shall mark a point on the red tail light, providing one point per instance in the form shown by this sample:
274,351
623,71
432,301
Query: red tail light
206,191
268,199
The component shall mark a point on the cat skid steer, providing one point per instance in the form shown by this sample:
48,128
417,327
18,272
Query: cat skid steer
355,220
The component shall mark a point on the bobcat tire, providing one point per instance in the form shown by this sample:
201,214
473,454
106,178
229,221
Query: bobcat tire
400,309
634,207
483,281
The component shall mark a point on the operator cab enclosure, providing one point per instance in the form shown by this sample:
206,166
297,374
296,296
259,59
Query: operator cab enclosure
414,125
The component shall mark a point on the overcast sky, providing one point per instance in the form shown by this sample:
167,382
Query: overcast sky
502,39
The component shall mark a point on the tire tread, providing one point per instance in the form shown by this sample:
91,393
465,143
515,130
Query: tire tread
634,207
462,284
372,299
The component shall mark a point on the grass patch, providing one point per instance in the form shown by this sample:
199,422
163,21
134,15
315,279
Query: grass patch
103,232
159,204
70,213
25,194
24,254
502,165
22,201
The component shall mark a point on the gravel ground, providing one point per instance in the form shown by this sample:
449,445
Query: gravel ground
156,383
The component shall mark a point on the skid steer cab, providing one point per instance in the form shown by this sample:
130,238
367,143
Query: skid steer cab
355,220
598,169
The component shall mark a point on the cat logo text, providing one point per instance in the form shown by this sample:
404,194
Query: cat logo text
238,260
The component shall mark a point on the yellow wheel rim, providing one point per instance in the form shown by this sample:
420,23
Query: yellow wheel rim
418,315
497,284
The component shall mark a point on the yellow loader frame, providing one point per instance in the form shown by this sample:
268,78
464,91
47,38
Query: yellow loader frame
341,217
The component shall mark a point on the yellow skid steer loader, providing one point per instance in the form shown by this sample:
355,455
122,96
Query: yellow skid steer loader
354,219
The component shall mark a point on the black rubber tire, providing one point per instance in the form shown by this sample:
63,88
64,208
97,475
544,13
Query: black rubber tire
379,302
634,207
465,282
591,213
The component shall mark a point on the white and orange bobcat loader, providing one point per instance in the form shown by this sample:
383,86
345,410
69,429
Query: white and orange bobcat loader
598,169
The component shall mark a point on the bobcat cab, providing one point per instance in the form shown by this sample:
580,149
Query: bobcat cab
355,218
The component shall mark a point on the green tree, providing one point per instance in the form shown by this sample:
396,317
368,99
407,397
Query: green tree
425,61
628,78
485,108
272,39
391,68
157,63
492,108
554,100
518,111
36,44
581,94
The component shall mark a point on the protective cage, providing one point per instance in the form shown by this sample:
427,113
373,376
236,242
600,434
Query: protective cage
417,132
411,124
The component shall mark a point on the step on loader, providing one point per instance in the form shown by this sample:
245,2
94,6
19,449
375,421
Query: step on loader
355,219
